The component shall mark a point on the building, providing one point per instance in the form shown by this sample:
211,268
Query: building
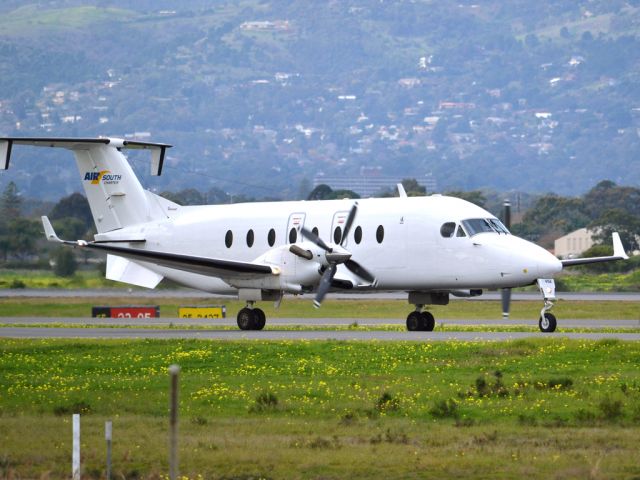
371,182
574,243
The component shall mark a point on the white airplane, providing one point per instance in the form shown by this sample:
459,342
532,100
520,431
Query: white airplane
430,247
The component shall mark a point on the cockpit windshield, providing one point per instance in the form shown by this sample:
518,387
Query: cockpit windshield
473,226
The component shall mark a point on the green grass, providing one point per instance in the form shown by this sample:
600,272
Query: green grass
351,308
541,408
10,278
389,327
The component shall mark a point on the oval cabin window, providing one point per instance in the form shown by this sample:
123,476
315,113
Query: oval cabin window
380,234
337,235
271,237
293,235
228,239
357,235
250,238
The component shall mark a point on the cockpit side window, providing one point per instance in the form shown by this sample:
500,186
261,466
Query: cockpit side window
477,225
447,230
460,232
474,226
498,226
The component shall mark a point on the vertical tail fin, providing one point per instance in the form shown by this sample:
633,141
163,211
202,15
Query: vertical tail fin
115,195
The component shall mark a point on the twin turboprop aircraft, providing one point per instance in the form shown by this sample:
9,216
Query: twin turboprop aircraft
430,247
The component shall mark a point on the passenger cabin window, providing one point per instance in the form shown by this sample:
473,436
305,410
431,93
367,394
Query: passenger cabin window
357,235
271,237
337,235
228,239
474,226
314,230
447,229
293,235
380,234
250,238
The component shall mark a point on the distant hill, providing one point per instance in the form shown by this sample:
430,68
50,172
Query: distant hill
259,98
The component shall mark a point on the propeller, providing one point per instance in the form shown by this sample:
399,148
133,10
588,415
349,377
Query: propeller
505,293
336,255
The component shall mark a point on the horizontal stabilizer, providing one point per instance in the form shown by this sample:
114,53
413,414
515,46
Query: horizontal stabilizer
158,150
122,270
618,254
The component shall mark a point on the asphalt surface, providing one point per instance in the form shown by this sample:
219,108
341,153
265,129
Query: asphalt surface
148,329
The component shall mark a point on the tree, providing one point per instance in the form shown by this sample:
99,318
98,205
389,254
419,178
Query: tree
321,192
413,188
10,203
64,262
552,214
475,196
19,239
73,206
617,220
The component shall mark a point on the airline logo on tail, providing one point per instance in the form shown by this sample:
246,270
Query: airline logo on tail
104,175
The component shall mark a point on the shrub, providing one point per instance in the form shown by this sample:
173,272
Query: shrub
387,403
445,409
265,401
610,409
17,283
76,407
65,263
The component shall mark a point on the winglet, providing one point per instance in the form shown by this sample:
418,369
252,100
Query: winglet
49,231
401,191
618,249
5,153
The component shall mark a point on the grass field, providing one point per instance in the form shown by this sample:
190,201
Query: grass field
544,408
296,308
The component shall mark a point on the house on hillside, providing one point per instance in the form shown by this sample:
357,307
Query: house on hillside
574,243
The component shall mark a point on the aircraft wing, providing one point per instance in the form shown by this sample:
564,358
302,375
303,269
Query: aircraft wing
226,269
618,254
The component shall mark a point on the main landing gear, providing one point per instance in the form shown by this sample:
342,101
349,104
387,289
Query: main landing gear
250,318
547,321
419,321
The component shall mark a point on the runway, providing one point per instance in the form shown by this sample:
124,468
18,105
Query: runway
185,293
279,329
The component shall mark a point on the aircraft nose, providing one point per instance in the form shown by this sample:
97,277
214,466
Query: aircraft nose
548,264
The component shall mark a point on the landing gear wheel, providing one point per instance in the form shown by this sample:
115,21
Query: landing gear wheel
414,321
246,319
260,319
548,323
427,321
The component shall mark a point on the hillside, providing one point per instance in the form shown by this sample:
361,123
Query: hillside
261,97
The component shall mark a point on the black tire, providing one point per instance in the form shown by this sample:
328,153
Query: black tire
548,323
428,322
414,321
246,319
260,319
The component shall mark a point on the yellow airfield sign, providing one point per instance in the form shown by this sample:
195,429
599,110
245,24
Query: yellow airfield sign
212,311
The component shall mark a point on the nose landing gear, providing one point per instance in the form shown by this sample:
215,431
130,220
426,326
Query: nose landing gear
547,321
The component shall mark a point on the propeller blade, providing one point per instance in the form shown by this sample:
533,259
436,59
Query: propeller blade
301,252
506,302
315,239
360,271
324,285
349,222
